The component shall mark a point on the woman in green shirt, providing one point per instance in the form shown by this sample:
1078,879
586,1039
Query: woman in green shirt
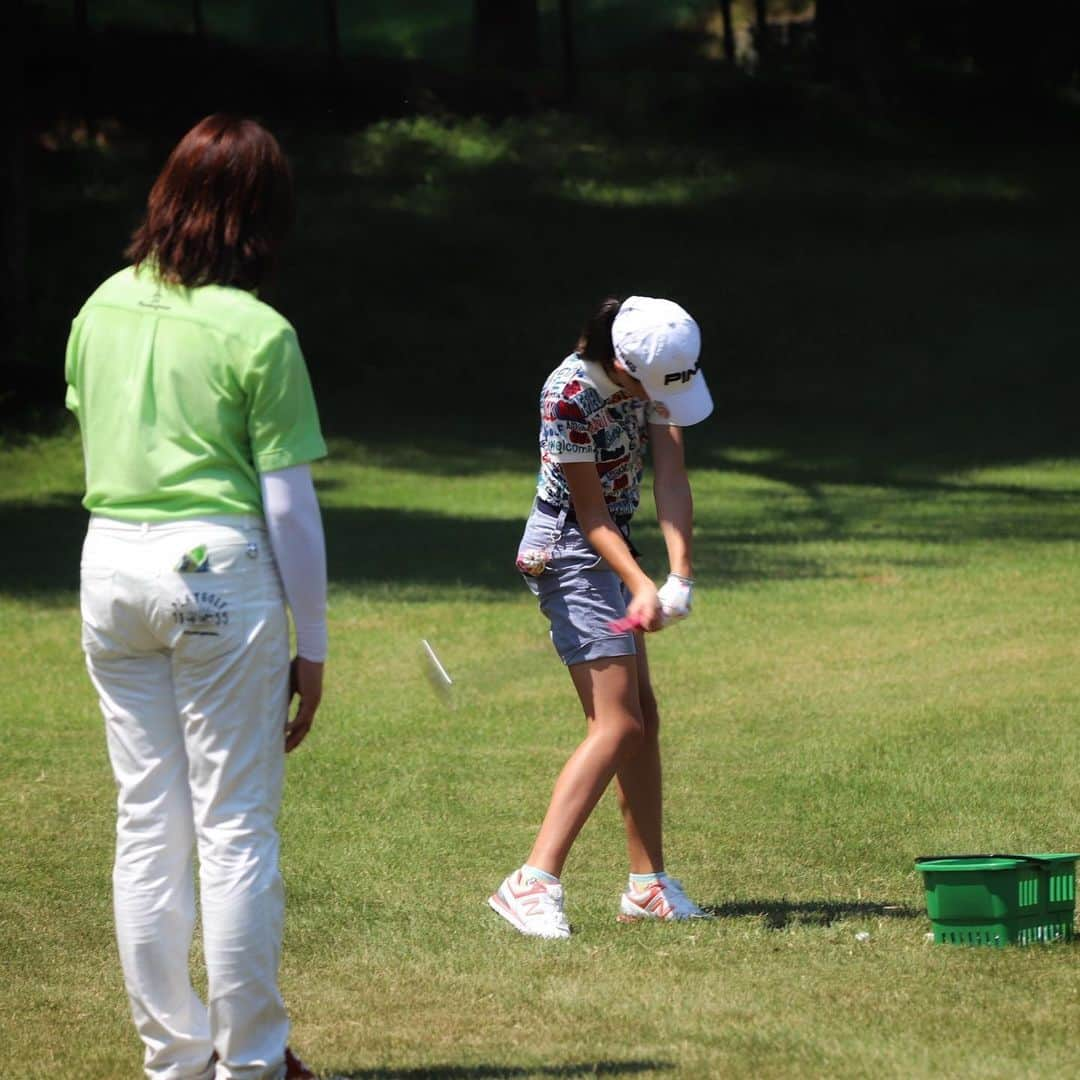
199,426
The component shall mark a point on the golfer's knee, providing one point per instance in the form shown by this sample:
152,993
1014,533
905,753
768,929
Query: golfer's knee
629,734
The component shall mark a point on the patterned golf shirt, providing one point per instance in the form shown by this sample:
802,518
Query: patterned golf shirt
585,416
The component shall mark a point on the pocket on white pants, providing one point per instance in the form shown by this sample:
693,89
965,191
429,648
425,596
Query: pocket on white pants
97,605
206,613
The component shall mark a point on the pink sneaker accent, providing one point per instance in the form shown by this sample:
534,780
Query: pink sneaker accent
531,906
663,899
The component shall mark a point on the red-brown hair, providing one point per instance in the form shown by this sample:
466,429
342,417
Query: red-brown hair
220,210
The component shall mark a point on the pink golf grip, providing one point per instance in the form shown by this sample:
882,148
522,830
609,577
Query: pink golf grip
627,622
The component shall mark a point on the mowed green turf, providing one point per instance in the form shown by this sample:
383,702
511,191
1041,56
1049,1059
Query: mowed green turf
881,664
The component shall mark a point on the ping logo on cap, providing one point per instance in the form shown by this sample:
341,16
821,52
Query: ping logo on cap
682,376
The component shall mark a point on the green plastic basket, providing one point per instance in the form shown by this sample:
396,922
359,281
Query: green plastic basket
1000,899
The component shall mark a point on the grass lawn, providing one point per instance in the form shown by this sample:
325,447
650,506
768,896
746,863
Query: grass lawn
881,664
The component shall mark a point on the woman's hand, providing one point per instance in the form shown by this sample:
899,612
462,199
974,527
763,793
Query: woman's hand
645,606
305,682
676,597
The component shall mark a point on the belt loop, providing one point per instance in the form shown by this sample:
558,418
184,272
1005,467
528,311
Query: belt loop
556,534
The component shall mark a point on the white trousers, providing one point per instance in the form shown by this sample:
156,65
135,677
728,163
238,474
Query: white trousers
186,641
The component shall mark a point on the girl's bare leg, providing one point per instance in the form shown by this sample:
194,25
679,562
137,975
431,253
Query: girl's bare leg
608,690
639,781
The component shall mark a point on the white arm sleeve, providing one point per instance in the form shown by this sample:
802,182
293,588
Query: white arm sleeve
296,539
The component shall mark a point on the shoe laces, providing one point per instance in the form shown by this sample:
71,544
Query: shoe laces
552,896
550,901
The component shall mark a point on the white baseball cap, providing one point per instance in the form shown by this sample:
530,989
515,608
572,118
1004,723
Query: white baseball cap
658,343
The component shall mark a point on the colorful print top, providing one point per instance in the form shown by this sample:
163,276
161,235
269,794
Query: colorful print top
585,416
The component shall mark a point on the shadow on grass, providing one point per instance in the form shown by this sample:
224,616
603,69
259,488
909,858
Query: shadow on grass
369,546
809,477
914,502
414,551
493,1072
780,914
43,542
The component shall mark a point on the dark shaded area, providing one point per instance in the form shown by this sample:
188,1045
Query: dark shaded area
41,548
780,914
372,546
880,296
494,1072
843,492
873,215
809,477
364,547
75,79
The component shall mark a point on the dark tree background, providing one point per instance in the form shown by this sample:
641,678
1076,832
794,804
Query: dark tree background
96,91
507,33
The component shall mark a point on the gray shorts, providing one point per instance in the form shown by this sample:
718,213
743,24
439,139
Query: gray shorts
578,591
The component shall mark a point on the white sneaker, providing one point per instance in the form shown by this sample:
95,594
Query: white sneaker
534,907
664,899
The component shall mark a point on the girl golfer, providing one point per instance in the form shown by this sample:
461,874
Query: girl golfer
198,424
634,379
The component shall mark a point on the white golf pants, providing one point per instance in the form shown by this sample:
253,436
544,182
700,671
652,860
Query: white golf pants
186,641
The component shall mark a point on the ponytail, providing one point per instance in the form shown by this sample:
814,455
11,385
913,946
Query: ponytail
595,341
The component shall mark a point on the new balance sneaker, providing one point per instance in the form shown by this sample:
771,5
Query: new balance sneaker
663,899
531,906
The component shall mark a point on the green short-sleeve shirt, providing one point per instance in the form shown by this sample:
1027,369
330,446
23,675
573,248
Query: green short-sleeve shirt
183,397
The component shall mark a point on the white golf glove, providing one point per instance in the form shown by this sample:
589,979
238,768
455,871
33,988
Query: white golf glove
676,596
